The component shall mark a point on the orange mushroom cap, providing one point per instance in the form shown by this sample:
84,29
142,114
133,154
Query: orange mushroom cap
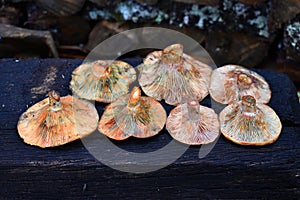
249,123
57,120
230,82
132,115
174,76
193,124
102,81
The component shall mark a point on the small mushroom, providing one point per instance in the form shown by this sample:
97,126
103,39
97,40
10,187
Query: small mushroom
132,115
230,82
249,123
102,81
57,120
193,124
174,76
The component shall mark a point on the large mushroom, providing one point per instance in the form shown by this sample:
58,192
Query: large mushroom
174,76
57,120
132,115
249,123
230,82
193,124
102,80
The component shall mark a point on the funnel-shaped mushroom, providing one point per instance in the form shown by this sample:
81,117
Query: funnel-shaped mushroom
57,120
249,123
102,81
174,76
193,124
132,115
230,82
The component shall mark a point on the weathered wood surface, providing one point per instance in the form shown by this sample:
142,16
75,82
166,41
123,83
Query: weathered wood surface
69,171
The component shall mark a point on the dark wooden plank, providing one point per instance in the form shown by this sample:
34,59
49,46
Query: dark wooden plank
228,171
268,172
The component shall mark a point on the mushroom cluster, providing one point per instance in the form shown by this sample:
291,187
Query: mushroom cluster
169,74
246,120
183,81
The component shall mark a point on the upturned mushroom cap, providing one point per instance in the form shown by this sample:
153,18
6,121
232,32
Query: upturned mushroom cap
102,80
174,76
193,124
230,82
249,123
132,115
57,120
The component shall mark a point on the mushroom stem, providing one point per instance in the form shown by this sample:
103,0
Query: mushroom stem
248,107
101,70
172,56
193,109
134,97
243,83
54,101
244,80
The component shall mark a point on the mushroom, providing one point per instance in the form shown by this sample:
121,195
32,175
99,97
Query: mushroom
102,80
174,76
230,82
57,120
193,124
249,123
132,115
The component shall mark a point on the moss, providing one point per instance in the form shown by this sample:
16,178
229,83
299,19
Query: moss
137,12
248,18
261,23
240,9
230,15
95,14
293,35
207,15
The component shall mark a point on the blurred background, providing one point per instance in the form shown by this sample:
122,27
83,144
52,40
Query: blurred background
253,33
